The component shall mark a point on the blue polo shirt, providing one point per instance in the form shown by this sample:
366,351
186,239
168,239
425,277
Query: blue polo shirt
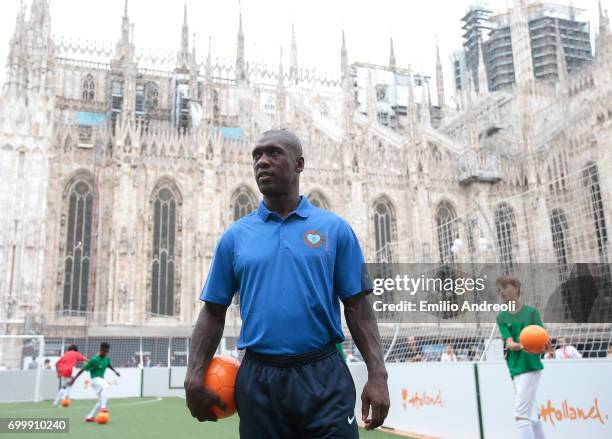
290,275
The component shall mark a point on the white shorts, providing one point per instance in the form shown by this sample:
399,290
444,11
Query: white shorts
525,388
98,384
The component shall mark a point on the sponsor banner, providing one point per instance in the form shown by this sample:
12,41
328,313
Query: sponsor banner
574,399
433,399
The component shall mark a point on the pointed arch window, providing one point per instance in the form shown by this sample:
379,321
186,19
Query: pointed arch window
78,247
89,88
152,96
384,226
270,107
163,275
447,231
324,110
317,199
559,230
243,202
590,178
505,227
215,106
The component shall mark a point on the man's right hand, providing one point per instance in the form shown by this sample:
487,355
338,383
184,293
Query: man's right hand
200,400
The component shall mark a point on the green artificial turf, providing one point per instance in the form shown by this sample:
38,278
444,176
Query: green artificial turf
150,418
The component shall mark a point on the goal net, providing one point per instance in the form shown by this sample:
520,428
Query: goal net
21,366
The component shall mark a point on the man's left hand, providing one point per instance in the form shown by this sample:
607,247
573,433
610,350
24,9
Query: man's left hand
375,395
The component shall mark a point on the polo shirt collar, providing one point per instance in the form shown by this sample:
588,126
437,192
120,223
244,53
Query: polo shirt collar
303,209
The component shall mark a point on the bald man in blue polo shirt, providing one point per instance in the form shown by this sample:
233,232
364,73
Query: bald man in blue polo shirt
292,263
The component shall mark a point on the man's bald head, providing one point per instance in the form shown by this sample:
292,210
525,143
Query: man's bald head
284,137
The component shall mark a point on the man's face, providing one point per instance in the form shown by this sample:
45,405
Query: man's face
562,342
103,353
275,166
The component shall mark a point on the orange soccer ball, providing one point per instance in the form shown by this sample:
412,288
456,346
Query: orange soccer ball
221,379
534,339
65,402
102,418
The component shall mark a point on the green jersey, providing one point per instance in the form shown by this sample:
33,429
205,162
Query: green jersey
511,325
97,366
340,351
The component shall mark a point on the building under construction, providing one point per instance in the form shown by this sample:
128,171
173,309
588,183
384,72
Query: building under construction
551,27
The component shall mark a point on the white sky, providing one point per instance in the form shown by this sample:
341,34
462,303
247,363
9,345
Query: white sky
267,25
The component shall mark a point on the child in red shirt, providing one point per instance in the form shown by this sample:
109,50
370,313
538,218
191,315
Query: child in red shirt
64,368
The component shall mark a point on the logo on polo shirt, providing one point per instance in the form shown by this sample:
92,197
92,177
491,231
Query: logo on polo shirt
313,238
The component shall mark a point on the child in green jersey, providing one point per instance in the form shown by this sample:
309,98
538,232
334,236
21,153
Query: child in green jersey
525,368
97,367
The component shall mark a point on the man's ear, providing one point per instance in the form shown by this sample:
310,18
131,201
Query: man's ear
299,165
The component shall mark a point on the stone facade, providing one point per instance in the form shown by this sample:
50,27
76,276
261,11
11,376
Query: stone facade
105,131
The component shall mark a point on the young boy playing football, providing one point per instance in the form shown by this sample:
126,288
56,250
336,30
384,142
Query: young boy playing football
64,368
525,367
97,367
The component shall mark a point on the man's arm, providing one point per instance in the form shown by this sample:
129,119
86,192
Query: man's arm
362,325
204,342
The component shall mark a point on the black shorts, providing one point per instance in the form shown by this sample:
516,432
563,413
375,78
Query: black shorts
297,396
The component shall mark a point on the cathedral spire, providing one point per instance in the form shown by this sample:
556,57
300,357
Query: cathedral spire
15,47
604,20
20,19
411,102
124,49
561,62
185,35
411,109
347,88
425,114
281,74
391,54
125,25
208,60
371,99
240,70
344,57
603,41
280,94
471,123
483,84
293,70
19,22
193,47
40,16
439,78
521,44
